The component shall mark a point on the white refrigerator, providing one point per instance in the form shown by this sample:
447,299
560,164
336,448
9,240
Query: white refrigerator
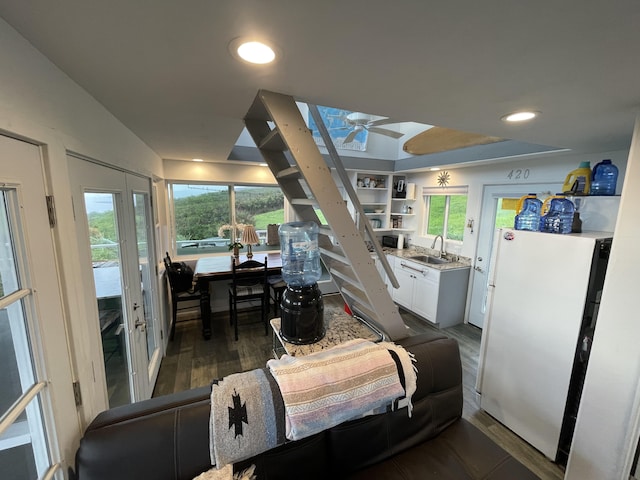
542,296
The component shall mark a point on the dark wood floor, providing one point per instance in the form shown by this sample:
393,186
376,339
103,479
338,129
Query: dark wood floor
193,362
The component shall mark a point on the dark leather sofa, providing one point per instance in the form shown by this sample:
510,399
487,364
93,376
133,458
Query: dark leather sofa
168,438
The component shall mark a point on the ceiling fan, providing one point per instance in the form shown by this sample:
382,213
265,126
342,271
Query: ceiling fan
357,122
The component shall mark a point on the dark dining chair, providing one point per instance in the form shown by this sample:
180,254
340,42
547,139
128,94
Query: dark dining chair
249,284
181,288
277,286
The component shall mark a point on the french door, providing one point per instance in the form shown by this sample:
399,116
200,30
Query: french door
38,418
114,225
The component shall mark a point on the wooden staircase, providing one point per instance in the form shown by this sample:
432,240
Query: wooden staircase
286,144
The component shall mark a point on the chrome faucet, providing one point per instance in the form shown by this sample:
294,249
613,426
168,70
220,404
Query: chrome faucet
433,245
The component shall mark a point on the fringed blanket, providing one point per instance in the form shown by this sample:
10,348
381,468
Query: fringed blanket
247,417
343,383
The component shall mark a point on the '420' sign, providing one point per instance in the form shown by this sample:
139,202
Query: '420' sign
518,174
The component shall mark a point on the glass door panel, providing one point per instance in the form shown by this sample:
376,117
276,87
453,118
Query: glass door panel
141,206
107,274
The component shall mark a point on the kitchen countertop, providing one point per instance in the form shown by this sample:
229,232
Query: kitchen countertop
339,328
457,262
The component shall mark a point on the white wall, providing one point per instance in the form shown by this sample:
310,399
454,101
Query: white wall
236,172
40,104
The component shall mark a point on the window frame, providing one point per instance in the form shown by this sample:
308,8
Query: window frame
231,189
448,192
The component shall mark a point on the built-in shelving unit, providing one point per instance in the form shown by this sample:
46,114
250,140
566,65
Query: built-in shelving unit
384,203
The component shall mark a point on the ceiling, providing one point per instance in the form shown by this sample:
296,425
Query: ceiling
163,67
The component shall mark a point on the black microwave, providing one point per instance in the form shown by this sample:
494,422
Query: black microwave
390,241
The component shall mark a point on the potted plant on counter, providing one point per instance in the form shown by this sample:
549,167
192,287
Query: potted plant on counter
236,246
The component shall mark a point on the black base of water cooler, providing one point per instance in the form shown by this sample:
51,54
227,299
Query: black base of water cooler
302,315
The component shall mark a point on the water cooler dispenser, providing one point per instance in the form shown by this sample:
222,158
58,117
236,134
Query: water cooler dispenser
302,317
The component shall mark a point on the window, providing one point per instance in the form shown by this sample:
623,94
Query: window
209,217
445,213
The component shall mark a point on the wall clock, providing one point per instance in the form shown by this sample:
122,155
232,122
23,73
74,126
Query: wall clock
443,179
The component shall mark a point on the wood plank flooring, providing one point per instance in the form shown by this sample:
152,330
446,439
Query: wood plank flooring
192,362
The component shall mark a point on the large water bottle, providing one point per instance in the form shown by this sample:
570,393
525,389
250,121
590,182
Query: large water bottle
528,217
558,217
300,254
604,178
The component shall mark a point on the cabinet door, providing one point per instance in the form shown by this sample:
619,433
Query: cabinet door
404,293
391,259
425,294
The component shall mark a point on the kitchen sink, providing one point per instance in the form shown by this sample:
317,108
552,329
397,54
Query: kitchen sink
429,259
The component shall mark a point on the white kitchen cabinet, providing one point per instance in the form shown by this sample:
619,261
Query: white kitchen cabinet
425,295
438,296
403,295
391,259
383,274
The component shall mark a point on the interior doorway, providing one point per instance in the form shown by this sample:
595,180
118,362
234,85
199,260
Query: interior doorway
498,210
113,215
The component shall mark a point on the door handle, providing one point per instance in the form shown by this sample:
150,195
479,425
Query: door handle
141,325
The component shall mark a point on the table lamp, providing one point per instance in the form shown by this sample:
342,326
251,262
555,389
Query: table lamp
250,237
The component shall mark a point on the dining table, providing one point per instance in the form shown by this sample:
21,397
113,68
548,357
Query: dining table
218,268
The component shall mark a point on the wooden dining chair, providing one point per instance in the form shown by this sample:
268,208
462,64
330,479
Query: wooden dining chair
181,289
249,283
277,286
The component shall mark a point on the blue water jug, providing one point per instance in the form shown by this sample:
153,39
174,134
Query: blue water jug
528,217
557,215
604,178
300,254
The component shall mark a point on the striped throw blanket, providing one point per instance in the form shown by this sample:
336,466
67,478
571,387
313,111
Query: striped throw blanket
343,383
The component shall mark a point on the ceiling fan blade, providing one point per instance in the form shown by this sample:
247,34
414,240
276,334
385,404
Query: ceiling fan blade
385,131
349,138
382,121
440,139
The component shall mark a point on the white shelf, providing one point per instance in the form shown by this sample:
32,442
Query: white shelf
395,214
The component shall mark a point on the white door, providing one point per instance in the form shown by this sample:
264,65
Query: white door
494,216
113,218
39,423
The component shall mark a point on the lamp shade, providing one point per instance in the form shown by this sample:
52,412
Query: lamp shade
249,235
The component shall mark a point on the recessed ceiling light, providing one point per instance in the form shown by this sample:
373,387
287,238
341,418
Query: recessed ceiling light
198,160
520,116
434,169
252,51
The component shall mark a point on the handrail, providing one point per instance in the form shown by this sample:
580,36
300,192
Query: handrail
342,173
